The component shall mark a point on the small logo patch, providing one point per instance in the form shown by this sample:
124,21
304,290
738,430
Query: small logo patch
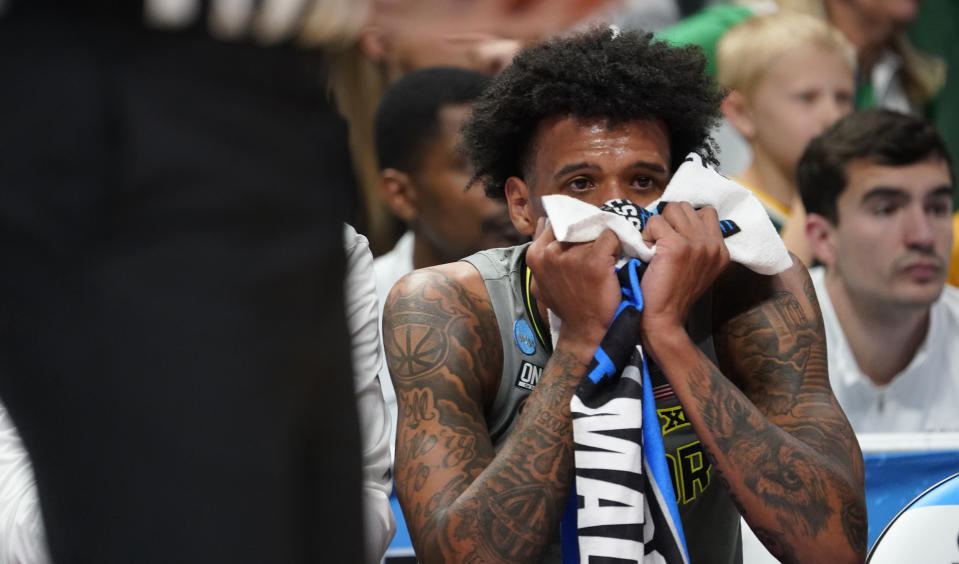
525,339
528,376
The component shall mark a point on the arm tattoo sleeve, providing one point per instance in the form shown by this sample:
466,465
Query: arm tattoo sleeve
781,439
463,501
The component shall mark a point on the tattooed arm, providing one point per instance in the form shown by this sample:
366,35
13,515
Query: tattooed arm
770,425
462,501
772,429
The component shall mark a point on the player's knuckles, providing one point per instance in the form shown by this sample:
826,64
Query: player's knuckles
708,214
670,214
534,256
724,256
656,226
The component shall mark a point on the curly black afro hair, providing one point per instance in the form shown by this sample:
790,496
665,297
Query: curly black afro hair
602,73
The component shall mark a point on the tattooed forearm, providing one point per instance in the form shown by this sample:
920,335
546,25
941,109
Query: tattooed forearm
801,491
854,522
464,502
782,475
776,344
777,354
556,425
774,544
780,444
532,475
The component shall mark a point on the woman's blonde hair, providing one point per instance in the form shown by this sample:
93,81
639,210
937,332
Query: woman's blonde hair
747,51
357,84
333,24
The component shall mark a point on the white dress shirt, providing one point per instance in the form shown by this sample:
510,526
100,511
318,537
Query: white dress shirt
923,397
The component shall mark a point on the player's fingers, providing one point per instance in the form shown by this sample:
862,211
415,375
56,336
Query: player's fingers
542,240
656,228
681,217
608,244
710,220
542,237
540,226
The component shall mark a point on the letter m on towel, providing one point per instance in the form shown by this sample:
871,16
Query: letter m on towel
625,511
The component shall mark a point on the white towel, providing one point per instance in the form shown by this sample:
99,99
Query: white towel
757,245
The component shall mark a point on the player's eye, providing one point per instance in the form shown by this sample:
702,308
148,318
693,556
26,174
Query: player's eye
580,184
644,181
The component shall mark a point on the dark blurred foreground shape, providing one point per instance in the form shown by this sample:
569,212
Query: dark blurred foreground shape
173,346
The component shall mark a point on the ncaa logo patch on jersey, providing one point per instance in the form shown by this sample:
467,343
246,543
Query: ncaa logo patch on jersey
528,376
525,339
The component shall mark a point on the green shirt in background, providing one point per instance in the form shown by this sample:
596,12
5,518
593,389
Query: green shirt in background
936,31
705,27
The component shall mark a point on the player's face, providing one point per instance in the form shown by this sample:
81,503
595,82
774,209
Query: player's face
457,222
804,91
593,162
894,234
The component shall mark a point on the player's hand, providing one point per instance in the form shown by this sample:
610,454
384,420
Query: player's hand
690,254
577,281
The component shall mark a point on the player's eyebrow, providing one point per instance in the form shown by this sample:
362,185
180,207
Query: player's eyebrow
574,167
655,167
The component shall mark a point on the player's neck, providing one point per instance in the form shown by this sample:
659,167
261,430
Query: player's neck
769,178
883,339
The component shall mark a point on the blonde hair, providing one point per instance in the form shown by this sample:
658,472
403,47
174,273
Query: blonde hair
333,24
357,84
747,51
816,8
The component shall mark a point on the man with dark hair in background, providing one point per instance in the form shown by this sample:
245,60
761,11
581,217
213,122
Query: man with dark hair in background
878,190
484,464
423,179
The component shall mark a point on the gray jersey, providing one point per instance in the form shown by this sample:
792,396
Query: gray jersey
710,520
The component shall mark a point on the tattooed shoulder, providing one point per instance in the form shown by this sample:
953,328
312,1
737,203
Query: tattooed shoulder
438,322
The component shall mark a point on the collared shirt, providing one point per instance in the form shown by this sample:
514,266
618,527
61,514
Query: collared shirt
887,87
921,398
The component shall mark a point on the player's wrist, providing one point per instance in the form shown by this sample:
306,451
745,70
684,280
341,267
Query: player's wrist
581,342
663,334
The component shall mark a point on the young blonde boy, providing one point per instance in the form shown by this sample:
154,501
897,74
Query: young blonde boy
790,75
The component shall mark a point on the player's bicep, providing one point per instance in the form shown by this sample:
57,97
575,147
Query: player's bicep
436,336
773,346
